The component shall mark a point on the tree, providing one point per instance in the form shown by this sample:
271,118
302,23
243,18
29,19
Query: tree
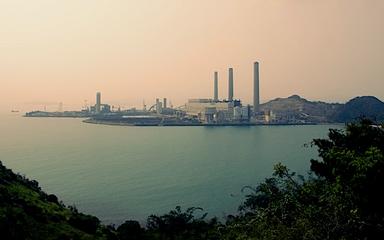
130,230
352,165
338,200
178,224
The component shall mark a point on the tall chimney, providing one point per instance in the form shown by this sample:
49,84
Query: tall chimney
230,84
98,102
159,107
165,103
216,87
256,95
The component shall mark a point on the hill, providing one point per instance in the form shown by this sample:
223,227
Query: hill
296,108
366,106
299,108
26,212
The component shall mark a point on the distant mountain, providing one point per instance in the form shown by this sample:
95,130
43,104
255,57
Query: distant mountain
366,106
298,108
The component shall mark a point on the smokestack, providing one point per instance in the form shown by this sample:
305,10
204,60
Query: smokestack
165,103
159,106
230,84
98,102
216,87
256,96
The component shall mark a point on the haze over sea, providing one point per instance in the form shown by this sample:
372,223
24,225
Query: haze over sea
119,173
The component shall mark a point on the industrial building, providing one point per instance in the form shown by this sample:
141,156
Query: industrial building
227,110
99,108
209,111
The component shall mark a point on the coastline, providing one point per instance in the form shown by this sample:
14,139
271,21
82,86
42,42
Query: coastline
112,123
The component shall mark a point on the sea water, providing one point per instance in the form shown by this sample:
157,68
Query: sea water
118,172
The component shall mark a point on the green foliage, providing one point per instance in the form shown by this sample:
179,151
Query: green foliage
352,167
181,225
86,223
339,199
26,212
130,230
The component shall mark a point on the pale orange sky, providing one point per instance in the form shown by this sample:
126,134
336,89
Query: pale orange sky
55,51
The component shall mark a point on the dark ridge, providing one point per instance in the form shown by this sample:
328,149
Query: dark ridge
321,112
365,106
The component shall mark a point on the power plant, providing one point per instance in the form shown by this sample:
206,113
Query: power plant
209,111
198,111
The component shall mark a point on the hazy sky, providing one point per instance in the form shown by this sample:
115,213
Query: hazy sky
55,51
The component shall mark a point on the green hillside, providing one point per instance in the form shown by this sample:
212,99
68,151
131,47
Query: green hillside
26,212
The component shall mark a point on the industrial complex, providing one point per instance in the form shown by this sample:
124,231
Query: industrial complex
199,111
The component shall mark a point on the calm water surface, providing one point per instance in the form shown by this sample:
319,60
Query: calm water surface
119,173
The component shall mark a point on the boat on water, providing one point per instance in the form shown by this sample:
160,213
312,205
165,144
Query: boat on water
15,111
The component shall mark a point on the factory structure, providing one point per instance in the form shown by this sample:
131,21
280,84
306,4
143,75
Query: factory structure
99,108
228,110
